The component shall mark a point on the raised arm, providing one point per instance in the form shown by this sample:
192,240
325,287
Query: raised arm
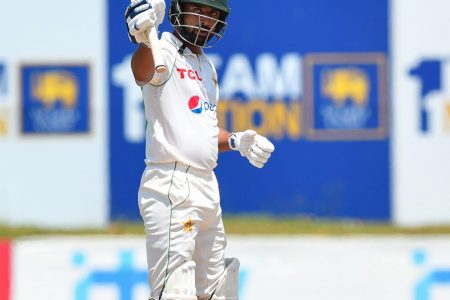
141,17
142,65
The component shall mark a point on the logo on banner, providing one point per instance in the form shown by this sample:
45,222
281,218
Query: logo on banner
345,96
125,277
433,278
55,99
433,101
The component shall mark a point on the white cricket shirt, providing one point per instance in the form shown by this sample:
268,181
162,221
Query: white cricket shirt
181,109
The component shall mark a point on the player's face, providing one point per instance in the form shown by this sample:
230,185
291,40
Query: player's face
203,17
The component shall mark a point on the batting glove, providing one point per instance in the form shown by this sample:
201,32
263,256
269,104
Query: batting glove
256,148
141,16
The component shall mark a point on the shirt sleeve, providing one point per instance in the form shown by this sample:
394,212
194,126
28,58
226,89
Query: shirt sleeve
169,57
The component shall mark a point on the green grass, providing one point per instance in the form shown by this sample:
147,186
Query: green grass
303,226
248,225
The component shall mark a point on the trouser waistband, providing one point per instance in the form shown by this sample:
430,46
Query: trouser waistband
180,166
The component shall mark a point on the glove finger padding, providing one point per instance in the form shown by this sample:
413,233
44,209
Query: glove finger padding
264,144
135,8
255,163
160,10
142,22
260,152
252,155
141,16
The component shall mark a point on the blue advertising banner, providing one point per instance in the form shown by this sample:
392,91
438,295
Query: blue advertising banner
55,99
3,80
311,75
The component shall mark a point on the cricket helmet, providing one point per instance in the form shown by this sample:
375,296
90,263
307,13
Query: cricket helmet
191,33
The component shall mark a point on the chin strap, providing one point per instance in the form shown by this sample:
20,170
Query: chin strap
181,49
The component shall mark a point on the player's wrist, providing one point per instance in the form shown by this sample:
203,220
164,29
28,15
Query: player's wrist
145,45
233,141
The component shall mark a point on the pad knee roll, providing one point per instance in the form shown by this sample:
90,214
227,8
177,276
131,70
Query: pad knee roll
227,289
180,284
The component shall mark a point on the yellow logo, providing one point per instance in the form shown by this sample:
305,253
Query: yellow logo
54,86
346,83
188,225
3,123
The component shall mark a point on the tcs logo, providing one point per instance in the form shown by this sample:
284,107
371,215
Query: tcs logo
51,87
433,276
197,105
126,278
346,83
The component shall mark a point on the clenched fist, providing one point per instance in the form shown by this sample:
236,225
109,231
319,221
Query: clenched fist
256,148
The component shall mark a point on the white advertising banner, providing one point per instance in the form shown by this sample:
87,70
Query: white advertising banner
421,111
313,268
53,131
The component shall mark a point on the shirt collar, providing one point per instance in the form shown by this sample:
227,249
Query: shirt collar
178,43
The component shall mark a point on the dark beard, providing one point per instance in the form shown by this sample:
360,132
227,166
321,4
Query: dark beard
191,35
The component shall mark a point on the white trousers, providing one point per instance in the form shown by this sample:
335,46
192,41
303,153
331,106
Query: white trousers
180,207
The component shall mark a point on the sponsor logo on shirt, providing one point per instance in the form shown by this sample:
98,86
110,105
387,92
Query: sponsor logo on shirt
197,105
191,74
